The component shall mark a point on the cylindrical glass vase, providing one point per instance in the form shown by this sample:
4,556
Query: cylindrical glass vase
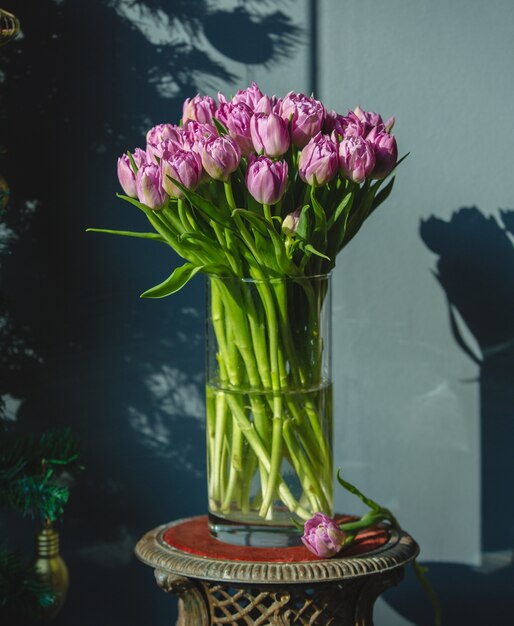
269,407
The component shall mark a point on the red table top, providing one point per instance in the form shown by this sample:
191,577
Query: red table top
193,536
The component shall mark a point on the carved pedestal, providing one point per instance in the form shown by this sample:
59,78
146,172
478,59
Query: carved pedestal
221,584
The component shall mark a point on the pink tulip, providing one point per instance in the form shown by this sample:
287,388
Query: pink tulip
307,116
197,134
163,131
356,158
220,157
266,180
322,536
368,117
183,166
386,153
200,109
333,121
265,105
269,134
154,152
167,134
374,120
249,96
318,162
149,186
236,119
347,126
126,174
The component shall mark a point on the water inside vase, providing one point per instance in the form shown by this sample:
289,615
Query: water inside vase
269,462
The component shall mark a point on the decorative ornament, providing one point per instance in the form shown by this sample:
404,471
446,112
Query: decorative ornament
52,569
9,27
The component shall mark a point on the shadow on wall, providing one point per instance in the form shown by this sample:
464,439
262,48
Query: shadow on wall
81,85
476,270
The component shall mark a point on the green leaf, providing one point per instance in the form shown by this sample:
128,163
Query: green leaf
382,195
132,162
303,227
352,489
263,227
221,128
179,277
127,233
320,226
309,248
202,204
135,202
198,238
421,575
345,206
398,162
259,222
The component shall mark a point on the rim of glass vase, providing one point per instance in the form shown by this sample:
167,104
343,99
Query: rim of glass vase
248,279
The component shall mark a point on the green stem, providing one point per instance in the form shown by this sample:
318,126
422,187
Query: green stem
232,318
308,480
236,468
261,453
370,519
276,438
182,214
229,194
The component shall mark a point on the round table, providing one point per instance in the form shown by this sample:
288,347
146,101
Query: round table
219,583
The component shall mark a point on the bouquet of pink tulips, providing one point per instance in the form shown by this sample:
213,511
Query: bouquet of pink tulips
266,189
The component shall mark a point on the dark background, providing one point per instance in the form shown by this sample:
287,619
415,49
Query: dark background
79,348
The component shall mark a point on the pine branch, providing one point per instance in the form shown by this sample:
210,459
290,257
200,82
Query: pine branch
31,469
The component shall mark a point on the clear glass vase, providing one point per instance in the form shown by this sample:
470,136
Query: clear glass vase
269,407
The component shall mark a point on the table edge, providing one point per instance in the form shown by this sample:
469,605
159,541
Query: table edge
152,550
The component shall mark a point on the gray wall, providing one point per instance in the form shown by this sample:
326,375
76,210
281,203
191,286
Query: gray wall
424,302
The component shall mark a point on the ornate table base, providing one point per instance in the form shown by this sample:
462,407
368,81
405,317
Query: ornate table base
231,585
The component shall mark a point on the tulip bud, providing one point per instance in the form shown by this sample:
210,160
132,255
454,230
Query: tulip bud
389,124
163,131
266,180
356,158
200,109
220,157
140,157
307,116
149,186
318,162
154,152
368,117
126,174
265,105
322,536
236,119
347,126
290,223
167,134
183,166
249,96
197,134
269,134
386,153
333,122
